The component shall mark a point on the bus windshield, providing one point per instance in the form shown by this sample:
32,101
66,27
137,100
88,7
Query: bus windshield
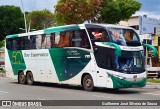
130,62
124,37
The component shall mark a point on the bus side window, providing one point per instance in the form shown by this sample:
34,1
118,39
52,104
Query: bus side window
26,43
98,34
33,42
76,39
63,40
52,40
49,41
21,43
38,41
68,36
9,44
80,39
57,38
85,40
43,41
15,44
105,37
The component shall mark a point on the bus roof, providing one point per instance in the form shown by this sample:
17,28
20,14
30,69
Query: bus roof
110,26
64,28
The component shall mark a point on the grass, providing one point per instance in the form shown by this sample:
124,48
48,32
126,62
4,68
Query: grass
153,80
2,71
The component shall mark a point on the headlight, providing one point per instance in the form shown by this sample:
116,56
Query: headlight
117,76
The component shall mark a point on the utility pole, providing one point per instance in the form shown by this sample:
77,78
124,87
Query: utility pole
29,27
24,16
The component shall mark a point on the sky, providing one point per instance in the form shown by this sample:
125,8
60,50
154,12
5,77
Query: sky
28,5
151,8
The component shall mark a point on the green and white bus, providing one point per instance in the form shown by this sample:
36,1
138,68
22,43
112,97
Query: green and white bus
90,55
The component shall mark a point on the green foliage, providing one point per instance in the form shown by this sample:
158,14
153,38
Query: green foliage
11,19
40,19
75,11
115,10
110,11
2,71
2,43
67,11
153,80
128,7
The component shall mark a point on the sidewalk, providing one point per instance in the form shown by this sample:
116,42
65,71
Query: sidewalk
152,85
2,74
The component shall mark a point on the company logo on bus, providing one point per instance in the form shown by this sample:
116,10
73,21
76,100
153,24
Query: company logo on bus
73,52
17,57
135,77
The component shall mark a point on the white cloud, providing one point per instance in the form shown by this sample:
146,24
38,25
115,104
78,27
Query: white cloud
149,14
29,4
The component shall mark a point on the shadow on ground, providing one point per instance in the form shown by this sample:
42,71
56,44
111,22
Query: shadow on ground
71,87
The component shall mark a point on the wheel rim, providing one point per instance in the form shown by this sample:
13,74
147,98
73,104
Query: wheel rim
30,78
88,82
22,78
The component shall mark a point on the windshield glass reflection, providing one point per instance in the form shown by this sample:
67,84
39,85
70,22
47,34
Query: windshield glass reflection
123,37
130,62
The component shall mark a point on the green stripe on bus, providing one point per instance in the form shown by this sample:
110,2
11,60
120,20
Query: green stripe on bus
61,28
68,62
121,83
12,36
117,47
17,61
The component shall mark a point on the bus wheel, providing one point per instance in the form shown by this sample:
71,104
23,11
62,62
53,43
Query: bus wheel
21,78
88,83
30,79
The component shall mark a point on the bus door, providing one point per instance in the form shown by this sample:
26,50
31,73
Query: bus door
71,54
78,56
76,61
68,62
103,55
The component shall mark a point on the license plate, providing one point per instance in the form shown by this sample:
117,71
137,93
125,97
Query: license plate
135,86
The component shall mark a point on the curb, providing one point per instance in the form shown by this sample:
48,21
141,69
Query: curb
152,86
2,74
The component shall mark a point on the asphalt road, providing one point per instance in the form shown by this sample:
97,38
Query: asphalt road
11,90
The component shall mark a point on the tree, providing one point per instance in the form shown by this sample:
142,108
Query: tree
2,43
108,11
11,19
76,11
40,19
115,10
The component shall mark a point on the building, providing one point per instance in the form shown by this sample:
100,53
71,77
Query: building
2,55
143,25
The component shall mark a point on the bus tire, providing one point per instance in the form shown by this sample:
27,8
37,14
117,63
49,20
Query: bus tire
30,79
21,78
88,83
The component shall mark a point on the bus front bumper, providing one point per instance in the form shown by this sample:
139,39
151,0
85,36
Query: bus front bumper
121,83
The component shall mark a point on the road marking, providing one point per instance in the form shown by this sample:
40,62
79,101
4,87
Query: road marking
41,99
101,96
3,92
